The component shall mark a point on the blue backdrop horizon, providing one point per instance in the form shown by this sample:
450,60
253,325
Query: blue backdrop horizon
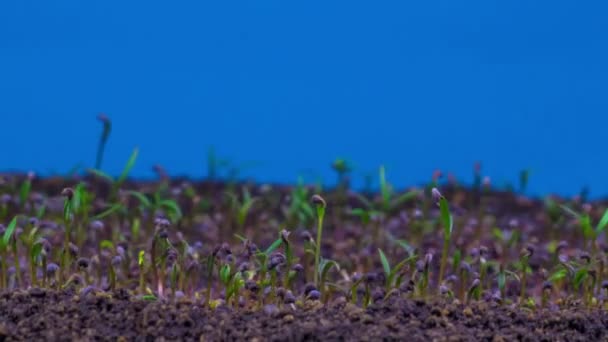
416,86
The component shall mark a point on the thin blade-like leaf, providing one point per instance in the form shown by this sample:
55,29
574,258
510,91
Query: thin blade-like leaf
128,166
385,264
9,231
143,199
603,222
446,217
273,246
101,174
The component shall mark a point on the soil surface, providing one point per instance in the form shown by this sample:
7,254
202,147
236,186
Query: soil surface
38,314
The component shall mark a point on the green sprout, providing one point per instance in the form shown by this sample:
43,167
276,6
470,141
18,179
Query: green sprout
24,191
447,221
392,272
390,201
524,257
590,234
68,217
299,210
325,266
241,208
4,244
141,259
320,204
103,139
169,206
117,182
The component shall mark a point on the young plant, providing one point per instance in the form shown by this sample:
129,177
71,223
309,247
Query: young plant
103,139
299,210
68,217
320,204
524,258
392,272
447,222
116,183
241,208
590,233
390,201
4,244
324,267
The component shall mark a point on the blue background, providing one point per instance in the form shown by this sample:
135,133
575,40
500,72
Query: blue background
417,85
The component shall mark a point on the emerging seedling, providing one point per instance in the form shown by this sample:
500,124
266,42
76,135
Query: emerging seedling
320,204
447,222
241,208
524,257
4,244
117,182
391,272
590,234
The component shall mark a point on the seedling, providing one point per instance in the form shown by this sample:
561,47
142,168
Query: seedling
4,244
590,234
117,182
324,267
524,257
68,217
320,204
390,201
447,222
103,139
242,208
391,272
299,210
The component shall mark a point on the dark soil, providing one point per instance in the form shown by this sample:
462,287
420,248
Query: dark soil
38,314
89,307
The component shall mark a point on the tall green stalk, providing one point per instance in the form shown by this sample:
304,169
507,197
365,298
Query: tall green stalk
448,223
320,203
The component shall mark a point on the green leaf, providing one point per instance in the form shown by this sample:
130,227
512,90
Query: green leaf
141,258
559,274
603,222
225,274
497,232
579,277
175,213
585,223
40,212
109,211
36,250
143,199
385,264
446,217
403,198
128,166
151,298
273,246
9,232
106,244
569,211
24,193
362,214
325,266
397,268
502,280
102,175
67,210
384,187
